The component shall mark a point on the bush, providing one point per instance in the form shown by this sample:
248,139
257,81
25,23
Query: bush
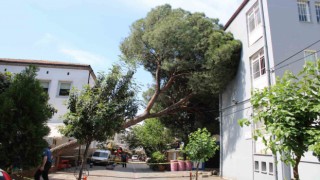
156,157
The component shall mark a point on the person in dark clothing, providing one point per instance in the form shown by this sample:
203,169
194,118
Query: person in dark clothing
124,159
45,165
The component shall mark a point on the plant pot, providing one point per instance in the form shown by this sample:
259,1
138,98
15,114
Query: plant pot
188,165
174,165
181,165
161,167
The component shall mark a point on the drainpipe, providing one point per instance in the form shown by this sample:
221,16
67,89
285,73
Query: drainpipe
221,135
266,54
90,71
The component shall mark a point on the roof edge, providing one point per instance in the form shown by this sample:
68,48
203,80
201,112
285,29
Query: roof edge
46,63
235,14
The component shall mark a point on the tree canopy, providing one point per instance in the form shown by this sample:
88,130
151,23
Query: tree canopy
24,112
98,112
187,54
290,111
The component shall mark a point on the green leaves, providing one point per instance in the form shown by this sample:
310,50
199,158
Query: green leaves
243,122
152,136
290,112
189,45
201,146
24,112
98,112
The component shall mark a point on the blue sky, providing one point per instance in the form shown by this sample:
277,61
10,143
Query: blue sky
84,31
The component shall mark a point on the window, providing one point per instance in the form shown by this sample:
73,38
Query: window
45,85
310,55
270,168
256,166
258,64
317,5
253,18
263,167
304,11
64,89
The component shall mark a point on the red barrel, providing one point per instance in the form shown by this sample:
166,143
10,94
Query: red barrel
174,165
181,165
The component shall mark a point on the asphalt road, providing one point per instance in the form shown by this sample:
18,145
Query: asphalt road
135,170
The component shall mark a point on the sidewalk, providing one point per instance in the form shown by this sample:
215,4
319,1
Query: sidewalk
131,172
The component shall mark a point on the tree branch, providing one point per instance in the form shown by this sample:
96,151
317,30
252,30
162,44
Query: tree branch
175,107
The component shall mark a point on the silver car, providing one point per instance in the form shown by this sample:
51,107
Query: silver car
100,156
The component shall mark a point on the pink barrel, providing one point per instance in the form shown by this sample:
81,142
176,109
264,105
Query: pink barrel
181,165
174,165
188,165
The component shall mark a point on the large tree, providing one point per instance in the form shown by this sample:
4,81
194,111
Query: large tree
188,54
290,111
98,112
24,112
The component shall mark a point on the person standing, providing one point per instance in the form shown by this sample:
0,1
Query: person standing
45,165
124,159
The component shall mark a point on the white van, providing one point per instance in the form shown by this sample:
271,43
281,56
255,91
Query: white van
100,156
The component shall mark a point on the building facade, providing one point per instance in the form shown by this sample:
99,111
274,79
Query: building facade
276,36
57,78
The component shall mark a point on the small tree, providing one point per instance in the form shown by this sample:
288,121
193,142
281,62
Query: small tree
290,111
99,112
201,147
24,112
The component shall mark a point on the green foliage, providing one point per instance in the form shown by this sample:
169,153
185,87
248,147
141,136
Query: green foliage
187,54
290,112
24,112
98,112
201,146
152,136
183,43
156,157
201,111
243,122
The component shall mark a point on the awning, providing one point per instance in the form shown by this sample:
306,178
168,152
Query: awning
54,130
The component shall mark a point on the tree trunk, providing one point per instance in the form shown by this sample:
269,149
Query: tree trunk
84,158
197,170
295,168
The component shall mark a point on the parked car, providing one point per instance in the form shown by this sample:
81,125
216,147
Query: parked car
4,175
100,157
134,157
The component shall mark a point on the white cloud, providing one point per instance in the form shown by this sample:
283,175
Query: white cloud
84,57
46,39
74,54
222,9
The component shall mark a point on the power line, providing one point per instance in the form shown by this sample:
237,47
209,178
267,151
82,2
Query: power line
237,111
296,53
296,60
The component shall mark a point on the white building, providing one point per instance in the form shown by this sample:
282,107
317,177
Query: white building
276,35
57,78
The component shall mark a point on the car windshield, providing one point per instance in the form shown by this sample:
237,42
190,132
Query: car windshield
100,154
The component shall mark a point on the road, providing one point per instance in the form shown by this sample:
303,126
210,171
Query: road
135,170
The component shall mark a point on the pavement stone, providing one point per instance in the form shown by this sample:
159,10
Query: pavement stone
133,171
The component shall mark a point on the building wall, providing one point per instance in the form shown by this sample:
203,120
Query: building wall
289,36
279,37
77,77
54,75
237,144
